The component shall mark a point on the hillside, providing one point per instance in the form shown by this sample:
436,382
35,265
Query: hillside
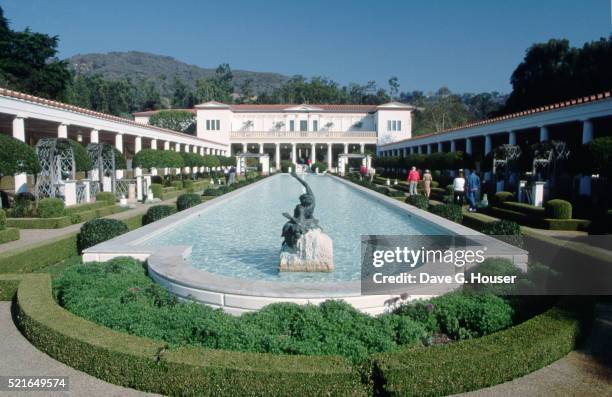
141,65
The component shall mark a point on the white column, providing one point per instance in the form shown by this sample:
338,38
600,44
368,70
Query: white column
138,170
154,144
201,150
62,131
313,152
94,136
512,138
277,154
346,149
440,146
244,148
420,149
166,147
21,180
429,148
543,133
362,148
468,145
119,147
453,146
329,156
488,144
587,136
261,148
293,153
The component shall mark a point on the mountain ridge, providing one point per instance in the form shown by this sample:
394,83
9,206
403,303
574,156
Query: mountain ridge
162,69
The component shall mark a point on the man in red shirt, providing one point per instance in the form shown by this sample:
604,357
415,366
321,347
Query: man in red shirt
413,180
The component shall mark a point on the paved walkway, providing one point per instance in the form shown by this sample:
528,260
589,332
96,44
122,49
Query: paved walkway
19,358
35,236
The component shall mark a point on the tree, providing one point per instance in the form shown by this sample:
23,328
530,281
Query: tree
554,71
246,91
17,157
28,62
81,157
442,111
393,87
183,97
218,88
177,120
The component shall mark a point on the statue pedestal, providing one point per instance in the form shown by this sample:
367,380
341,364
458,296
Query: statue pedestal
314,253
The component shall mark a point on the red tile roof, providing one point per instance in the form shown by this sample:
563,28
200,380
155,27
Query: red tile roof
64,106
148,113
546,108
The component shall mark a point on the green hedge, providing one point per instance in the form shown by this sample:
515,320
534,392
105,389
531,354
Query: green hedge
77,209
527,209
2,219
51,208
49,252
477,363
8,286
565,224
9,234
95,213
152,366
157,189
558,209
39,223
106,197
98,231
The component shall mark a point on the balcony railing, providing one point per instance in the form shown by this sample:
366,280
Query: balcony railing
302,134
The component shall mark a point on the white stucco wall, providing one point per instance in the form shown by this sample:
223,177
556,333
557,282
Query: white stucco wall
384,134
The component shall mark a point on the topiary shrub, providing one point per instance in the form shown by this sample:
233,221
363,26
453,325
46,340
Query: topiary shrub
396,193
187,200
2,219
51,208
106,196
501,197
157,190
157,179
24,206
99,230
321,166
178,185
451,212
558,209
157,212
418,201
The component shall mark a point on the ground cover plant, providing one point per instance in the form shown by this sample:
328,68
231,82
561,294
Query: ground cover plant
119,294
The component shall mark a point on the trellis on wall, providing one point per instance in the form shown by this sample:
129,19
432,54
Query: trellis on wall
102,156
57,164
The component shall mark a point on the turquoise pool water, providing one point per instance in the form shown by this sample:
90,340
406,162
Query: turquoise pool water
241,236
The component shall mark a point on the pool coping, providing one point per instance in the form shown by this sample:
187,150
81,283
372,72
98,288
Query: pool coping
170,266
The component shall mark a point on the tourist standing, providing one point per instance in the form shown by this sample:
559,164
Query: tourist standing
427,183
473,186
413,180
459,188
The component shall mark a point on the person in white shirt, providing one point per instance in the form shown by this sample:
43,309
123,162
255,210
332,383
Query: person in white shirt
459,189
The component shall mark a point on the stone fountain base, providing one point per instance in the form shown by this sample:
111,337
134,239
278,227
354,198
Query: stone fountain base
314,253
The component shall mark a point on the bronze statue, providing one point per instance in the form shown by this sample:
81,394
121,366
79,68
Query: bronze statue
303,217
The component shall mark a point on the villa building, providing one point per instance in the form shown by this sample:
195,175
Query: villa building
300,132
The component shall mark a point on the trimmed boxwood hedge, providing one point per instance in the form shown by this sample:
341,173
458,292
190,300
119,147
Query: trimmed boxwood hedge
149,365
418,201
2,219
157,212
49,252
156,189
10,234
39,223
187,200
106,196
451,212
100,230
476,363
51,208
558,209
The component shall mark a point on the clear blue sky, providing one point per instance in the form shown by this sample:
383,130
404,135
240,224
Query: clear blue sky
469,45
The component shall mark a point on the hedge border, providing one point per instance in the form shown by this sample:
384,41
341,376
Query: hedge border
478,363
9,234
141,363
48,252
39,223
